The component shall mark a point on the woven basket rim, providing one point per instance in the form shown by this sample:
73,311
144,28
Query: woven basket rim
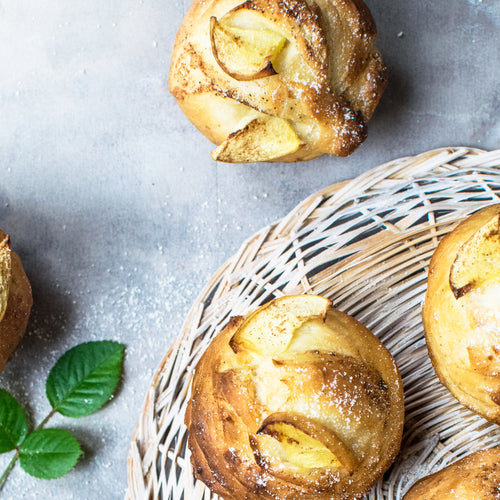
400,169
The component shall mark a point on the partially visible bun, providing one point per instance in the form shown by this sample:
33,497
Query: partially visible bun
319,81
19,302
461,313
475,477
296,400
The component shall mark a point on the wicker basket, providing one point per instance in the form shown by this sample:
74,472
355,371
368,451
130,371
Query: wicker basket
366,245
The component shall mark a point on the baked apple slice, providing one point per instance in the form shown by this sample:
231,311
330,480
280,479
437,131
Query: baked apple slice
308,444
312,63
478,260
269,329
5,274
263,139
244,53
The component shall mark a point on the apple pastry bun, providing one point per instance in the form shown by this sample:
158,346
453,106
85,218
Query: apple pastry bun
295,400
15,300
461,312
274,80
475,477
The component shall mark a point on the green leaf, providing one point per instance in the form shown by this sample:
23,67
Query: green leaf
49,453
84,378
13,425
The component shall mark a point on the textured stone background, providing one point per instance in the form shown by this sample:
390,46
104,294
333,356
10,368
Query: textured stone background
120,215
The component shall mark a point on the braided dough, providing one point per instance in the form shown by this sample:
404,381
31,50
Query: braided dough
276,80
461,312
294,401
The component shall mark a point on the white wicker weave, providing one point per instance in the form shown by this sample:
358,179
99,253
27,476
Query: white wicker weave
366,245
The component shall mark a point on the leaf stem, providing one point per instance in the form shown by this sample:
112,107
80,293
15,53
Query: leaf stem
46,419
9,468
16,456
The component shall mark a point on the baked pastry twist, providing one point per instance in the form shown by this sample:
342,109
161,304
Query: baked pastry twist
475,477
461,313
296,400
276,80
15,300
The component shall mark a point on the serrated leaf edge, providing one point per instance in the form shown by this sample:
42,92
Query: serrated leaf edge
35,453
120,353
8,434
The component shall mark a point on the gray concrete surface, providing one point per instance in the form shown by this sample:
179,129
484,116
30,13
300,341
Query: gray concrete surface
118,212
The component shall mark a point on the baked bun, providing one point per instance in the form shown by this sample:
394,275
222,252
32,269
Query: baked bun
268,80
461,312
15,300
295,400
475,477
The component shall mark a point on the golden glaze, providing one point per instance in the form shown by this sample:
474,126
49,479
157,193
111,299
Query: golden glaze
16,317
475,477
347,390
463,332
328,102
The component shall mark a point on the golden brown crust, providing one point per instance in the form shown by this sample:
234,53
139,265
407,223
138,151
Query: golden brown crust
328,104
13,324
475,477
463,333
346,392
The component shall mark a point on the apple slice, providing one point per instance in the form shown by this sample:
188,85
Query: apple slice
244,53
5,274
478,260
308,444
263,139
270,328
